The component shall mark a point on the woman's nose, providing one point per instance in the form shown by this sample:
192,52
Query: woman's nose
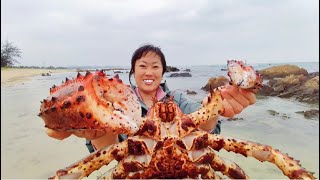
149,71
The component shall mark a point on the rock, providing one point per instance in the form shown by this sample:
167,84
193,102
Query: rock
310,114
312,84
215,82
309,91
187,70
172,69
180,75
313,113
313,74
272,112
282,71
234,119
45,74
191,92
281,115
304,88
265,90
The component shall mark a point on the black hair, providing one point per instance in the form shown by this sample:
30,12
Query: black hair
142,51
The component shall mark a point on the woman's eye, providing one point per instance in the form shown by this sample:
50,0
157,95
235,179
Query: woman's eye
155,67
141,65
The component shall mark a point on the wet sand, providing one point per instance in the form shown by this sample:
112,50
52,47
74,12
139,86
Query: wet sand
16,75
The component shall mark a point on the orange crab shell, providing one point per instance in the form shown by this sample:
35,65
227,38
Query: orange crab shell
93,101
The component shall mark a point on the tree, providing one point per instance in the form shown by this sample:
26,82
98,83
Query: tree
9,52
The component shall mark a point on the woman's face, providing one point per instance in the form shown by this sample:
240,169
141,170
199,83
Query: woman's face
148,72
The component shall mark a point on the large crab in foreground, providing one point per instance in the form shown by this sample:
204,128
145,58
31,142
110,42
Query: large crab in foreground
164,144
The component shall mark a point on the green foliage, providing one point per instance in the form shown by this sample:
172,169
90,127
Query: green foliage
9,52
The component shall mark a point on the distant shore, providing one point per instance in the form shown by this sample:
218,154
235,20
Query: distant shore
14,75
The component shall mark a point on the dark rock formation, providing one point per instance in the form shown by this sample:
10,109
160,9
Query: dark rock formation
300,87
234,119
180,75
45,74
172,69
215,82
275,113
289,81
191,92
310,114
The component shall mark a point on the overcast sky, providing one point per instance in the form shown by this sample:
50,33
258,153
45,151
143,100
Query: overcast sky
190,32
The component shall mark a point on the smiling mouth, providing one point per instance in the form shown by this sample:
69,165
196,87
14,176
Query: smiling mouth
148,81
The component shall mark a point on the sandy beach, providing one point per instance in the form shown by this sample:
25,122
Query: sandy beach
14,75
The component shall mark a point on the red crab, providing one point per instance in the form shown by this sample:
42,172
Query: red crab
164,144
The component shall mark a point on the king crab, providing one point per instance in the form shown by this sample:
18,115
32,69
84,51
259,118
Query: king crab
164,144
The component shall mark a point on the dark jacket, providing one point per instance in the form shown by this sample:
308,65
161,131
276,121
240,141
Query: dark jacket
185,105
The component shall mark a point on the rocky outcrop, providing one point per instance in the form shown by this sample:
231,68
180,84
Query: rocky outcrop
285,81
172,69
282,71
234,119
310,114
292,82
215,82
189,92
275,113
180,75
45,74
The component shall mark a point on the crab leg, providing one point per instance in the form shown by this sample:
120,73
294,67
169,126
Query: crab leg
290,167
94,161
228,168
123,171
211,175
211,108
200,152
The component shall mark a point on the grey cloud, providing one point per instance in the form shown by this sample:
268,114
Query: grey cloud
63,33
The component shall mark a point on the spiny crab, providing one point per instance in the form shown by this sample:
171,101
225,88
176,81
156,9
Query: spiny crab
164,144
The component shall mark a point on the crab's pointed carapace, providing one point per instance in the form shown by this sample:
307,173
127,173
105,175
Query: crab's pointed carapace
92,101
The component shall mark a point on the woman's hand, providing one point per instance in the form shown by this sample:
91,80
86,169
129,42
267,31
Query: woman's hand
236,99
89,134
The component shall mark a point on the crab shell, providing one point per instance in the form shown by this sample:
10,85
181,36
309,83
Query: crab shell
169,145
93,101
244,76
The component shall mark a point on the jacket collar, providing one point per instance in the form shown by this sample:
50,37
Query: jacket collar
164,90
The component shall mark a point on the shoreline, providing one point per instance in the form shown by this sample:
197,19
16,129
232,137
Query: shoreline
16,75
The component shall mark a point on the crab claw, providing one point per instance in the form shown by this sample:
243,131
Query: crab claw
93,101
244,76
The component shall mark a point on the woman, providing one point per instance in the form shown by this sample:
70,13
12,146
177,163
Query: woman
148,65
